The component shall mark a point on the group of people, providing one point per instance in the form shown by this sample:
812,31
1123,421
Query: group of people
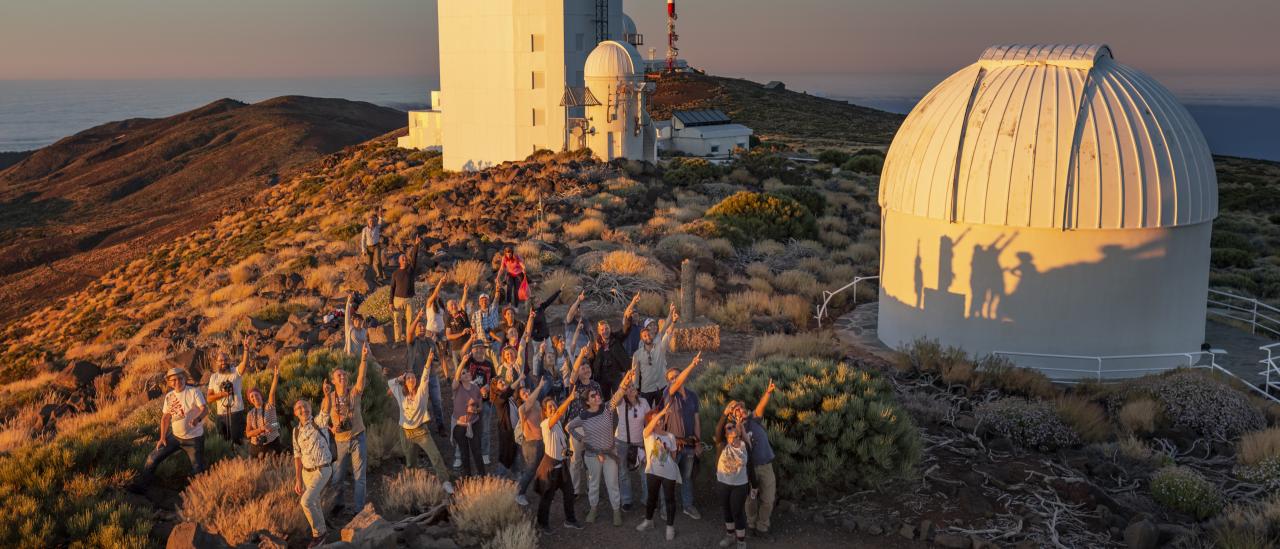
568,412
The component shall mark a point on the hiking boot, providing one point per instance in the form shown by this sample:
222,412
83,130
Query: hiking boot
692,512
644,525
573,524
591,515
617,517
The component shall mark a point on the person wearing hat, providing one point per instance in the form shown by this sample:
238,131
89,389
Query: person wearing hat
650,360
181,427
226,393
485,323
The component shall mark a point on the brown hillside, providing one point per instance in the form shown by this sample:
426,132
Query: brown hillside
74,210
780,115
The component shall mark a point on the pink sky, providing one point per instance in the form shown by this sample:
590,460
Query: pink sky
83,39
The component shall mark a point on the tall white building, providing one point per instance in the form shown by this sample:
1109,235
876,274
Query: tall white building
512,77
1051,202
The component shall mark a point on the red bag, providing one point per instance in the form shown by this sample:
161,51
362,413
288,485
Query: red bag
523,292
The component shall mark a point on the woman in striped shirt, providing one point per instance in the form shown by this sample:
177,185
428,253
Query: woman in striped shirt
593,428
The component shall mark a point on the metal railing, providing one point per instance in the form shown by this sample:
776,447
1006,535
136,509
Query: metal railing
1258,315
821,310
1270,366
1098,370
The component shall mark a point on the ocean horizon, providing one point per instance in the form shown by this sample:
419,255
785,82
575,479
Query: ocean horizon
1239,114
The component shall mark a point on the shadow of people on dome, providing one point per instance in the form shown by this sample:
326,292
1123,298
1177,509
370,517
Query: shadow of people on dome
986,278
946,256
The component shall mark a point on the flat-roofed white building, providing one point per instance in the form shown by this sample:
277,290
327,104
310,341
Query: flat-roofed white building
704,132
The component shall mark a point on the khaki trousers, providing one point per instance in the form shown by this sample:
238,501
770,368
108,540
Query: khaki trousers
760,508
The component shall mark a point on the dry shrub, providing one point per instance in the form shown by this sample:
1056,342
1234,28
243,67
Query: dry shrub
623,262
483,506
325,279
234,292
652,304
1087,418
412,491
225,319
759,269
1002,374
1139,416
382,440
1258,446
589,228
797,282
469,272
520,535
794,308
697,337
721,248
84,349
761,285
239,497
862,252
558,279
247,270
1135,449
705,282
146,369
802,345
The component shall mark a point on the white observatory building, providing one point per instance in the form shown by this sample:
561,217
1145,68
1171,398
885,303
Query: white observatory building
1048,200
619,121
513,81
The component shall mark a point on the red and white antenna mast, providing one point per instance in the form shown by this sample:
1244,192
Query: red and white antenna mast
672,50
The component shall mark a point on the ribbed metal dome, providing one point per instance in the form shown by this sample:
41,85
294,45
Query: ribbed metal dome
1052,136
612,59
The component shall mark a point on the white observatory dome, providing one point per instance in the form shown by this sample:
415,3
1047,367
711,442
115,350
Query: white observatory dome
612,59
1030,155
1052,206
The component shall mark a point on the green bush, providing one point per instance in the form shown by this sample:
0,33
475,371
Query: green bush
675,248
759,216
810,198
833,157
1184,490
386,183
864,163
689,171
1202,403
1224,258
765,164
1030,424
832,426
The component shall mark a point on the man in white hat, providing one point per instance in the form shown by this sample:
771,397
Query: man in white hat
650,359
181,427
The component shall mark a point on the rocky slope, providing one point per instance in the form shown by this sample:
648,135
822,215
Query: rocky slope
73,210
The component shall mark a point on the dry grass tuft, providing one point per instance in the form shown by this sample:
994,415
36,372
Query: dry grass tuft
225,319
1139,416
483,506
146,369
84,350
521,535
795,281
802,345
652,304
413,491
1087,418
557,279
623,262
1258,446
238,497
589,228
233,292
326,279
469,272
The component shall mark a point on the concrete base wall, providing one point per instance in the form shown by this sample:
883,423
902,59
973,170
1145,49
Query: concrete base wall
1082,292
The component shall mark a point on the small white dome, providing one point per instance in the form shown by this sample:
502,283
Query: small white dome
612,59
1051,136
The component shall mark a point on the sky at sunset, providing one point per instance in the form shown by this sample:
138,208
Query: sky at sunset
126,39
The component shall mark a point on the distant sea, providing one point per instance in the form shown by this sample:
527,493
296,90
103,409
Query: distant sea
1239,114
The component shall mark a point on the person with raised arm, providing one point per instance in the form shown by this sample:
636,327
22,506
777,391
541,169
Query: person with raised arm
226,393
402,291
551,475
580,384
465,390
417,360
262,426
480,364
312,467
661,470
593,429
650,359
354,333
632,411
411,398
457,329
760,504
609,356
531,447
549,364
540,332
181,428
575,330
683,422
736,479
345,417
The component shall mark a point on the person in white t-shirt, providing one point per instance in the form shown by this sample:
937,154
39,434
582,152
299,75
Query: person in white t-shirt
226,394
553,475
412,401
662,471
181,415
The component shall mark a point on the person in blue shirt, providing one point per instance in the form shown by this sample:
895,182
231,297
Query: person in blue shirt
760,507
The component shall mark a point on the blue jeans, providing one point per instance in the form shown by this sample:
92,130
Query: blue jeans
437,403
531,451
686,478
486,427
353,451
624,480
194,447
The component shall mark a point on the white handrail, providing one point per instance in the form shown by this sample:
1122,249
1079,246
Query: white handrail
827,295
1098,361
1255,313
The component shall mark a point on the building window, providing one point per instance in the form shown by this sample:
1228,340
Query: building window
577,41
715,149
535,42
539,80
539,117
